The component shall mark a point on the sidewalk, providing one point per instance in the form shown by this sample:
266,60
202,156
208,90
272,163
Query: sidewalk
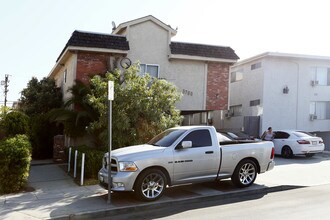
56,196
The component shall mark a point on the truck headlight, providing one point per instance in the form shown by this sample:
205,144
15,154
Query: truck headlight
127,167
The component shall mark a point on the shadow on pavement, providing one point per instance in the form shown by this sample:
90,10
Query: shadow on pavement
175,200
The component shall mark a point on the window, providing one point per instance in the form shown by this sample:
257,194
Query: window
236,76
320,109
153,70
256,66
235,110
255,102
281,135
200,138
321,75
166,138
65,75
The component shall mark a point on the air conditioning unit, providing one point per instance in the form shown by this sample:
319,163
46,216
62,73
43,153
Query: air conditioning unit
314,83
312,117
228,114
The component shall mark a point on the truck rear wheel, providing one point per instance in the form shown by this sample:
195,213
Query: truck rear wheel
245,173
150,185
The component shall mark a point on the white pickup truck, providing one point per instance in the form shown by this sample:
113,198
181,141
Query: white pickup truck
187,154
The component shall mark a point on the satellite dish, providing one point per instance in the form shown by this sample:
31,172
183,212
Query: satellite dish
113,25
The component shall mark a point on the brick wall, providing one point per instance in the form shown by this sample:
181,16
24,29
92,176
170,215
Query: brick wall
89,64
217,86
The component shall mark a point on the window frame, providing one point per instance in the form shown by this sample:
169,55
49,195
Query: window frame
65,75
256,66
233,111
146,67
196,131
255,102
318,76
236,76
315,109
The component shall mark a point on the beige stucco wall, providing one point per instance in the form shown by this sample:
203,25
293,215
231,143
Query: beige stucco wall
70,67
149,44
189,76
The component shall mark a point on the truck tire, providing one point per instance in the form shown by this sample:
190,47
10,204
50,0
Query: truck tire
245,173
150,185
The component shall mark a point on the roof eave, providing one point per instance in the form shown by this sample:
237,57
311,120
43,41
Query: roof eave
277,54
200,58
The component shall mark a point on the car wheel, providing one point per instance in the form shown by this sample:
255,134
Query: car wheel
286,152
309,155
150,185
245,173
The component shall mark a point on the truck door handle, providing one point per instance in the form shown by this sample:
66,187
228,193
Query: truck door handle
209,152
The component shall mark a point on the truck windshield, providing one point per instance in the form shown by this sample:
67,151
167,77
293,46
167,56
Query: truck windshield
167,138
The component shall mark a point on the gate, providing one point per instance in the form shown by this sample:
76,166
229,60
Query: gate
252,125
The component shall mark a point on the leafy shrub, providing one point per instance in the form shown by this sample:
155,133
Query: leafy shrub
93,160
14,123
15,158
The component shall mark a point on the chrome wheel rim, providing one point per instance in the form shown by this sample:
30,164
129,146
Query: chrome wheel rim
247,173
152,185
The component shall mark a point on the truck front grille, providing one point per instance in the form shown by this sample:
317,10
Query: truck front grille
114,167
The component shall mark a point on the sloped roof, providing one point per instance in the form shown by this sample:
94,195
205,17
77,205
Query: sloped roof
203,50
96,40
144,19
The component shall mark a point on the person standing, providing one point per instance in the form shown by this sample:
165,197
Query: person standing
268,135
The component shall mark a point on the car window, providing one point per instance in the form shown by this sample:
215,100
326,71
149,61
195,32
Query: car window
167,138
199,138
281,135
232,135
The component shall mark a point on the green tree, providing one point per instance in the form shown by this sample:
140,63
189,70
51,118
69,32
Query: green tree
36,101
77,113
40,96
142,106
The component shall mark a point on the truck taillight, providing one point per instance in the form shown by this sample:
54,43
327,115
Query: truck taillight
272,155
303,142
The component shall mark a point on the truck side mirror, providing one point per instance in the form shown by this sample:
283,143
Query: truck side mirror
186,144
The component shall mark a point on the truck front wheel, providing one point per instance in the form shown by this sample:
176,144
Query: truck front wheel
150,185
245,173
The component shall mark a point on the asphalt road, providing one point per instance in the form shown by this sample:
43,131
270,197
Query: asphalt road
309,202
298,204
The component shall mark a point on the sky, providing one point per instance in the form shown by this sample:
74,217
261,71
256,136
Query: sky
34,32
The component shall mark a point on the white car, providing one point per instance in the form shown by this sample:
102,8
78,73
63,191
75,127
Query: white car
291,142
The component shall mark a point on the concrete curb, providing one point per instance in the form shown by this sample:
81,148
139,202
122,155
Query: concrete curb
122,210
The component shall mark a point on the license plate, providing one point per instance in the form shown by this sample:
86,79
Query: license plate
314,142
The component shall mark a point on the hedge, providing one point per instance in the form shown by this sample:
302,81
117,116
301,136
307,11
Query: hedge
93,160
15,122
15,158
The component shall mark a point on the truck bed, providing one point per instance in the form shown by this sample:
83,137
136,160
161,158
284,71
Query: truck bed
233,142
